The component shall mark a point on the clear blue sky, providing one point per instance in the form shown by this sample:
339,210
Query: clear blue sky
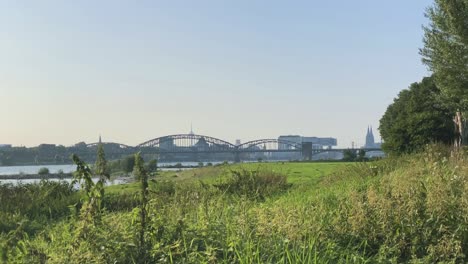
136,70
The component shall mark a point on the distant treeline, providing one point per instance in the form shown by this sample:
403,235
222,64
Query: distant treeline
56,154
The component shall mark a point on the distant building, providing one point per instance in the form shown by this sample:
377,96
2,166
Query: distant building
5,145
370,141
238,142
317,143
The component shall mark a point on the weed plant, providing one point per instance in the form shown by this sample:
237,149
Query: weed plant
410,209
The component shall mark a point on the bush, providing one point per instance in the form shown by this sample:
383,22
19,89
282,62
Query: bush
40,202
152,166
127,164
43,171
254,184
163,188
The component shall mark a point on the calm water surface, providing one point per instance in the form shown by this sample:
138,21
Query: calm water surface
12,170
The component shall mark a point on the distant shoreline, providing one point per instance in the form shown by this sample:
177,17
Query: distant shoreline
36,176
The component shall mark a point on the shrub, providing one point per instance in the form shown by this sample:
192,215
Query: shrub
43,171
44,201
164,188
254,184
127,164
152,166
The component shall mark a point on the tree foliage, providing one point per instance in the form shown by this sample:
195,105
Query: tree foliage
445,52
152,166
43,171
354,155
349,155
128,163
416,118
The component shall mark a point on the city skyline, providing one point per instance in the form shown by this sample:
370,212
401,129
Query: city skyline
134,71
235,142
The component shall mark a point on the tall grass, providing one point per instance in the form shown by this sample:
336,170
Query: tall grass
411,209
38,203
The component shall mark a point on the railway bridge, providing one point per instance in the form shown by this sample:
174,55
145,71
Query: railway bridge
199,147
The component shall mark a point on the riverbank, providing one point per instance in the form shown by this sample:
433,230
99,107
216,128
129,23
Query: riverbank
36,176
408,210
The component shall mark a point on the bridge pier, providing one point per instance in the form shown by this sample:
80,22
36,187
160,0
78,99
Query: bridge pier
237,157
307,151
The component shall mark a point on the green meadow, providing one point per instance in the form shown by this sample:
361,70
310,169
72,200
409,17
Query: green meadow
411,209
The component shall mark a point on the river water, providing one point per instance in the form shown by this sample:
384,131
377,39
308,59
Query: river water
16,170
12,170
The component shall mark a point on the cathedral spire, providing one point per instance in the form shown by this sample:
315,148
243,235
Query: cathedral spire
370,141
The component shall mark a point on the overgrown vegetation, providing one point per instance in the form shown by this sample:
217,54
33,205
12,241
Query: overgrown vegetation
406,209
254,184
354,155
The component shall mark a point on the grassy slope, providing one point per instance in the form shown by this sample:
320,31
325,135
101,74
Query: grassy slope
412,209
304,177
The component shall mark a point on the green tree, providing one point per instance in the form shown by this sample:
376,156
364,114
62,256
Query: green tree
416,118
361,155
349,155
445,52
152,166
43,171
128,163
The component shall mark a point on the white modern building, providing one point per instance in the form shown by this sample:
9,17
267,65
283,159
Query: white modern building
317,142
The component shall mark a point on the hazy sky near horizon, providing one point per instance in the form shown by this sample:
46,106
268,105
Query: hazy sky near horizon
136,70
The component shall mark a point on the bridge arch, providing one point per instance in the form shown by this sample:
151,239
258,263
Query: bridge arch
187,141
269,144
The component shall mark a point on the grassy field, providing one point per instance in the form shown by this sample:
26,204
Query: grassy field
298,173
411,209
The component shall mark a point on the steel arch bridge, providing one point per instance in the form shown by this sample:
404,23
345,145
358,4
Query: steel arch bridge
269,145
193,146
187,143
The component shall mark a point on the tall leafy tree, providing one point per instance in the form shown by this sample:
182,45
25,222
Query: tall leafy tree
445,52
416,118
